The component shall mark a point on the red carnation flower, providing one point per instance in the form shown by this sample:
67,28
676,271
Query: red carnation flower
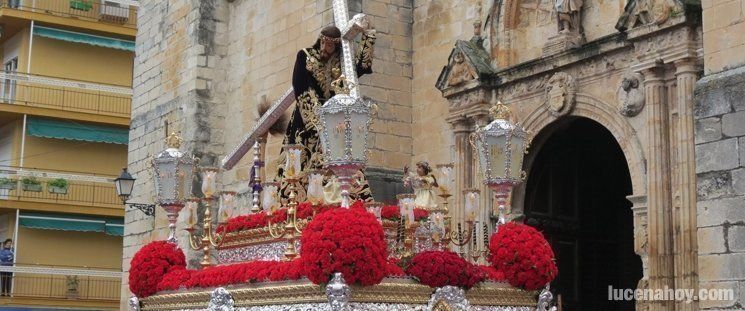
440,268
350,241
150,264
523,255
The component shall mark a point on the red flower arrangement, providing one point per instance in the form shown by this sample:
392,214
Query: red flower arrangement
150,264
390,212
175,279
255,271
420,214
524,255
252,221
393,268
393,212
440,268
350,241
245,222
492,274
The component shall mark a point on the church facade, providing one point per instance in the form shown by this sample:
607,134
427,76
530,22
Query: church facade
635,171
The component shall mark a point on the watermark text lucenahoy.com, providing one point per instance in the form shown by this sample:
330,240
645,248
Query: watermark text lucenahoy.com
670,294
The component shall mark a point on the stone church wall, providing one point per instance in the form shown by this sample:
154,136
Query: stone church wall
720,152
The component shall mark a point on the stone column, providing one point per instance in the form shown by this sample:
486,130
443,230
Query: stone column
462,129
658,193
641,242
686,246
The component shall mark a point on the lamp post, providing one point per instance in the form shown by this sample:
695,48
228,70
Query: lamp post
501,146
124,185
344,124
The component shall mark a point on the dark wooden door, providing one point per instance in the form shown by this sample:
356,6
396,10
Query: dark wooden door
576,195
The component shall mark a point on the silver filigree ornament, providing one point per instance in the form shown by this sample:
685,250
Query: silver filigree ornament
344,127
134,303
453,297
337,292
220,300
545,300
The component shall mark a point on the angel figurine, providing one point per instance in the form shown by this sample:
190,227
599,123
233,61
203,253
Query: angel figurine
424,184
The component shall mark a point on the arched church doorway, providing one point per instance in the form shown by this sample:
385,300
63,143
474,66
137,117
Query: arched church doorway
576,195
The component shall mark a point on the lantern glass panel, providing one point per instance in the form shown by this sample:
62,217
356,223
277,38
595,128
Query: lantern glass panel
124,187
165,181
516,159
481,149
336,128
496,145
186,178
359,135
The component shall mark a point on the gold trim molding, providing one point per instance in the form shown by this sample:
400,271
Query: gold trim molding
391,290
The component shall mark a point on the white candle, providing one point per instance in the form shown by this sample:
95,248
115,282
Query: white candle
209,183
269,198
472,205
315,188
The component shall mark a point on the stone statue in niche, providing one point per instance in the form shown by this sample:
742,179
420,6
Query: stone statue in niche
569,26
560,94
630,95
460,71
569,15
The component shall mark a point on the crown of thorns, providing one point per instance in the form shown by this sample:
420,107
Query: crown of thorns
327,38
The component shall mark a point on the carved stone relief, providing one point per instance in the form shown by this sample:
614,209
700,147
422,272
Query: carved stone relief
560,94
467,99
647,12
460,71
630,95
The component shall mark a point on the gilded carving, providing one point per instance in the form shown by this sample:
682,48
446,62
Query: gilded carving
560,94
460,71
630,95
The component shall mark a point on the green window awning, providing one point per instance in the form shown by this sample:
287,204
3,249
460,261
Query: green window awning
65,222
79,37
115,227
58,129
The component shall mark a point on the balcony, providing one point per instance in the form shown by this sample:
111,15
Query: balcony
93,194
115,12
48,96
80,285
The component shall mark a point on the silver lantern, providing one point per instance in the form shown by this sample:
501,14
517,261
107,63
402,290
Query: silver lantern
174,172
344,123
501,146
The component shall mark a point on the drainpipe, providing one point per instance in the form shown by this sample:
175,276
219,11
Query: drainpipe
30,45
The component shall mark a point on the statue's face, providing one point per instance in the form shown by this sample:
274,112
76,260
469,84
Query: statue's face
328,47
420,170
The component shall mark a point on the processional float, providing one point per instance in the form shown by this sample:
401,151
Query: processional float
259,244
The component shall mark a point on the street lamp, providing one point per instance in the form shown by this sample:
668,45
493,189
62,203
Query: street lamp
501,146
124,185
344,123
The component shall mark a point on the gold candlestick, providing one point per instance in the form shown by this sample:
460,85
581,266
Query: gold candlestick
290,230
208,238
